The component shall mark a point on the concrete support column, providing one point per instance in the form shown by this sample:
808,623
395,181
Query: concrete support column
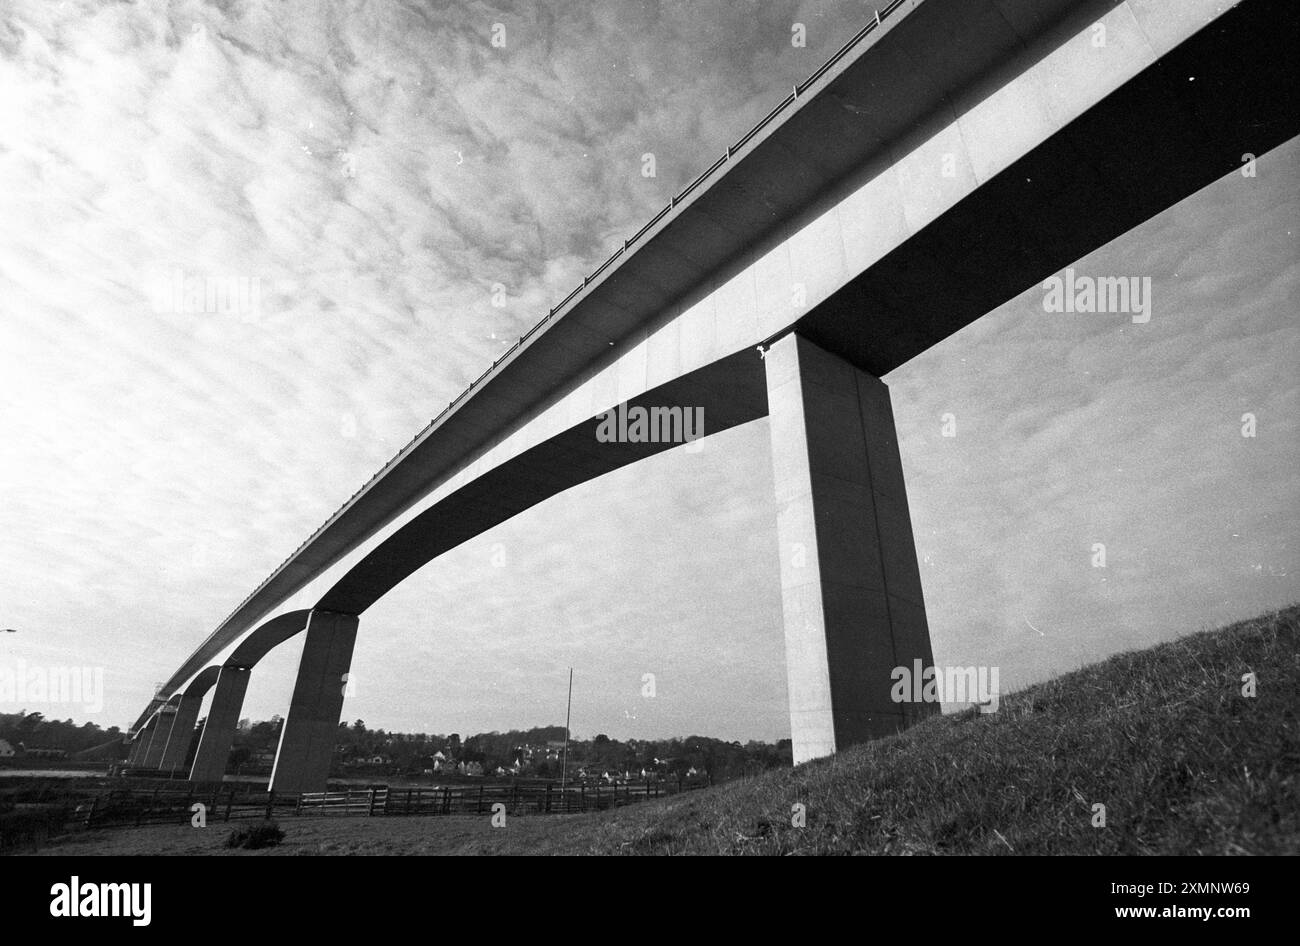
850,586
161,731
182,733
146,740
219,731
140,745
310,729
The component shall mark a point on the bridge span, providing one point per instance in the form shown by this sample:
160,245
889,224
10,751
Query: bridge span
950,156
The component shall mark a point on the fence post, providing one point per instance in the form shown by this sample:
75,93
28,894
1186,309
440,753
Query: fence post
270,803
230,801
139,812
478,808
370,813
90,815
582,796
297,807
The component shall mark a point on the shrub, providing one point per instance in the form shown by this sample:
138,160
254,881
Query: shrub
31,827
252,837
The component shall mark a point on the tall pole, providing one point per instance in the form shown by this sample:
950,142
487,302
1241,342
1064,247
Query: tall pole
568,710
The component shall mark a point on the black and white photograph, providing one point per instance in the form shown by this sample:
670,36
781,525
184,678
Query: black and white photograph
650,427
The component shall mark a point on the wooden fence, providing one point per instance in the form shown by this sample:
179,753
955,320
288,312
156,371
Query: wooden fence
166,805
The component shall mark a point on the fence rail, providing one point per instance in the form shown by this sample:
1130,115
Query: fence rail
167,805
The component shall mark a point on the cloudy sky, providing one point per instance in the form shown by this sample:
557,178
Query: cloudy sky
372,170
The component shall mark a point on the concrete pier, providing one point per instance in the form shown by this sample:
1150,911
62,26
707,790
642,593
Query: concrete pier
219,731
850,587
162,731
181,734
310,729
140,745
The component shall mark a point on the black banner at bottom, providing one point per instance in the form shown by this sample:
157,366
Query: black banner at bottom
148,895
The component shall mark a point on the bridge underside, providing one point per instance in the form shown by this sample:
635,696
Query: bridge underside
1173,129
729,392
851,594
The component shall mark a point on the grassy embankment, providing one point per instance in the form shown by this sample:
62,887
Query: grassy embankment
1164,738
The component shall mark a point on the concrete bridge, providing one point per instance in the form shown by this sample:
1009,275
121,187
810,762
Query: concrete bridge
953,154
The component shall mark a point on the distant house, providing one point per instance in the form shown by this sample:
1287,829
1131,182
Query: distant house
6,750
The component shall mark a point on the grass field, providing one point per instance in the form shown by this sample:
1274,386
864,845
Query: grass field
1163,738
